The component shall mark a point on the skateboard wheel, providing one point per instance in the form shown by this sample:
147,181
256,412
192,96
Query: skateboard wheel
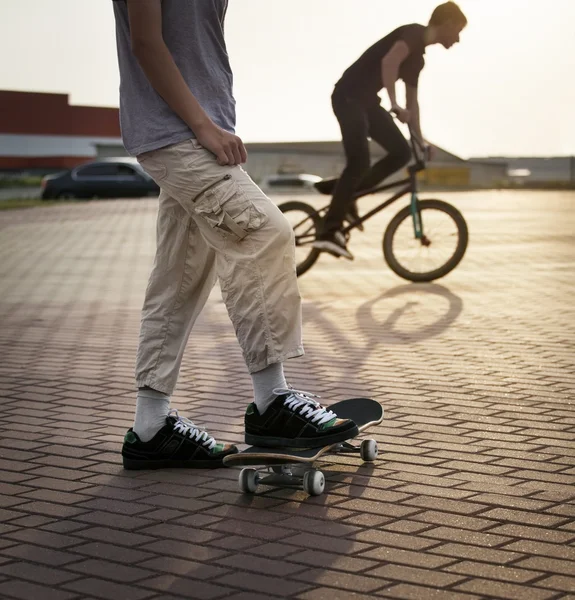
313,483
248,481
368,450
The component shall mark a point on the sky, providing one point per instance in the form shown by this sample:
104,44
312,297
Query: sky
507,89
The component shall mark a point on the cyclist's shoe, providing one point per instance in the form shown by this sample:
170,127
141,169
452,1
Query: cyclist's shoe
296,420
179,443
352,215
326,186
333,242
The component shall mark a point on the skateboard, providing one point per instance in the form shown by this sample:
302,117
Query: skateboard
283,467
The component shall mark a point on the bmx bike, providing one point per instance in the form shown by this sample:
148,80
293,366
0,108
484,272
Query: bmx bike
424,241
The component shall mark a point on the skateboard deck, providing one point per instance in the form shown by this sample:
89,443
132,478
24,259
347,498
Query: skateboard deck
363,411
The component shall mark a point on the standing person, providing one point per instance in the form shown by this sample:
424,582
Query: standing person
177,115
356,105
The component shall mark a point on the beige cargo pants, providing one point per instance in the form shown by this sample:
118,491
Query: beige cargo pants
214,223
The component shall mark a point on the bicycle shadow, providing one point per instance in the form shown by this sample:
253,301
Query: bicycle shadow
412,314
390,332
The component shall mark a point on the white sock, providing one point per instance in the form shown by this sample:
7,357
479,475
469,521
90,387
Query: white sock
151,411
264,382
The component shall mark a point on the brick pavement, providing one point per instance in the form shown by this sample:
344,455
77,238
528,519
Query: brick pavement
472,496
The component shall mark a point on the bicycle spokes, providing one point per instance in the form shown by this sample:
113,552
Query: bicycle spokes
420,256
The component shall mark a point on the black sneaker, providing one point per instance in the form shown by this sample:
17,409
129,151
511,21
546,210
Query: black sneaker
179,443
326,186
296,420
333,242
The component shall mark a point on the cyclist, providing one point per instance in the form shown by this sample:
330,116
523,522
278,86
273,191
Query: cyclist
356,105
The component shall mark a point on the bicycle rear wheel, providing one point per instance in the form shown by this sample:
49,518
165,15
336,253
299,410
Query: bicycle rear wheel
438,252
305,222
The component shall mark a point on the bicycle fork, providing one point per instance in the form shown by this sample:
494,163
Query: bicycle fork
417,222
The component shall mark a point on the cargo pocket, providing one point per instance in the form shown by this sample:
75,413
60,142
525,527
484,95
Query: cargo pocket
227,209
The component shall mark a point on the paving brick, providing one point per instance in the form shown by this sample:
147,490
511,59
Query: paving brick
466,536
188,588
43,538
183,550
51,483
185,568
104,569
32,591
477,553
406,591
234,542
558,582
111,520
426,577
36,573
405,526
64,526
114,506
399,540
454,520
456,506
501,572
100,588
32,521
543,549
113,536
250,596
407,557
262,532
271,567
325,593
535,533
379,508
51,509
275,550
111,552
337,545
27,552
499,589
524,517
54,496
340,580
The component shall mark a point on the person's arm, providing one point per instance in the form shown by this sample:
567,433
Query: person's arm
412,102
166,78
390,72
412,105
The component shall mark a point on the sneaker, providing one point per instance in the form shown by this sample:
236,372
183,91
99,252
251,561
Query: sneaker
296,420
179,443
326,186
334,243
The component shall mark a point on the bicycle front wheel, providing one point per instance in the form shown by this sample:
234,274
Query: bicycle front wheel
305,222
439,251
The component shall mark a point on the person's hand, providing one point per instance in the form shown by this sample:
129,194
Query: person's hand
402,114
227,147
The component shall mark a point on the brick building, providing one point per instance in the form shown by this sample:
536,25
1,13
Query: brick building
42,132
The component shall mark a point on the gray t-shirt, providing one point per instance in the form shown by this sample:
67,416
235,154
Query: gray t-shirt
193,30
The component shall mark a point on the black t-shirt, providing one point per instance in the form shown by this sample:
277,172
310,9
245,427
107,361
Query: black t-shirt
363,80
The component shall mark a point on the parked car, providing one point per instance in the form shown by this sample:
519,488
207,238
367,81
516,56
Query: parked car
104,178
289,182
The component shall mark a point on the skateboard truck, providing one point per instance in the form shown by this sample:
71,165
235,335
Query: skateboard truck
300,475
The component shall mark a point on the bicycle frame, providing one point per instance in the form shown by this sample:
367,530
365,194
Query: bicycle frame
407,185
